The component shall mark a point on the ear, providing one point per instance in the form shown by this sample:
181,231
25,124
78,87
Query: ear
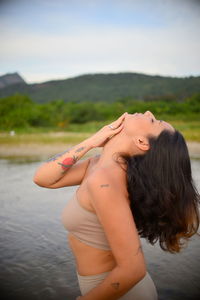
141,142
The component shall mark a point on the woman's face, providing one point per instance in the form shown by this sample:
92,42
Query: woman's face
144,124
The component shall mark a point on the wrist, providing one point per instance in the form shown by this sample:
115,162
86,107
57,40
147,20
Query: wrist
89,143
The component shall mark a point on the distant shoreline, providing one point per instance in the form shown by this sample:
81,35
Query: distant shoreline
38,151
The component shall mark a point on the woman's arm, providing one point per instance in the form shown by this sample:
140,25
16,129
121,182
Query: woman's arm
113,210
52,171
115,285
62,170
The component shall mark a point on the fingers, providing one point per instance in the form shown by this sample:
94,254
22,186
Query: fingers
116,124
122,116
119,120
117,129
120,126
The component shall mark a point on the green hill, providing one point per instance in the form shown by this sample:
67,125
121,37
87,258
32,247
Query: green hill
108,87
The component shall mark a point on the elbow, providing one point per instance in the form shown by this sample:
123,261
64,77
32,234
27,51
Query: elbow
141,269
135,273
142,274
37,181
138,274
41,183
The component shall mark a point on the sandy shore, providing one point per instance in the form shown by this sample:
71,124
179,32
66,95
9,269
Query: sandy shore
44,151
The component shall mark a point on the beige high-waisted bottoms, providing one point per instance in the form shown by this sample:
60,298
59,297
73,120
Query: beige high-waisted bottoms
143,290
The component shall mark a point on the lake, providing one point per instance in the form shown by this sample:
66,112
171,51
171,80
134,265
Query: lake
36,262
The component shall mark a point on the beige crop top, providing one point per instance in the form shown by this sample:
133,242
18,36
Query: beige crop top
83,224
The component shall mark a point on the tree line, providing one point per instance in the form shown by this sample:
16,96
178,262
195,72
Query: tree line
20,111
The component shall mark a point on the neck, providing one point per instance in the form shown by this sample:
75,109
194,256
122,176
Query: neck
118,143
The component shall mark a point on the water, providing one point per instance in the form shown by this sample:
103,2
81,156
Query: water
36,262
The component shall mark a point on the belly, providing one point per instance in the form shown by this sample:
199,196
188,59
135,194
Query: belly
90,260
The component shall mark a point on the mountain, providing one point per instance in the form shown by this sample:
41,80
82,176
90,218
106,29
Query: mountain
11,79
105,87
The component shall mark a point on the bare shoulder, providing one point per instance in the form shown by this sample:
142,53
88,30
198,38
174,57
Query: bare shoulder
102,174
108,180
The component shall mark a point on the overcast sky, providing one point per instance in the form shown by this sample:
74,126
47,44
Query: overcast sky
54,39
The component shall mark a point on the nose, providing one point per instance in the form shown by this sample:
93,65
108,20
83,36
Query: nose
148,113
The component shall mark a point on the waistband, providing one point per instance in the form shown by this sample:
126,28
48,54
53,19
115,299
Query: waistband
95,276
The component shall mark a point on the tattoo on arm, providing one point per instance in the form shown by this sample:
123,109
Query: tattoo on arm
66,151
115,285
80,149
68,162
58,155
104,185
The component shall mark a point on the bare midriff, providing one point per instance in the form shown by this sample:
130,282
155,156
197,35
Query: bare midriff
90,260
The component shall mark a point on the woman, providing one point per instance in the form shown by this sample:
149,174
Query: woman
142,175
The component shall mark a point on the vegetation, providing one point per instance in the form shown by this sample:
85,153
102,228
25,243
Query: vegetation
20,113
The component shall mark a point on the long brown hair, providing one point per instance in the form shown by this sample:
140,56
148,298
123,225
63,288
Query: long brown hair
164,199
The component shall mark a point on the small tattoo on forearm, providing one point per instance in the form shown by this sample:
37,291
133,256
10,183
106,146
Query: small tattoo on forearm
115,285
80,149
104,185
58,155
66,151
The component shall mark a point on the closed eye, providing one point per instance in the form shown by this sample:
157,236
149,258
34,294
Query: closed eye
152,120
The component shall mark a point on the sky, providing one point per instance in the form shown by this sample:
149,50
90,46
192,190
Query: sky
47,40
